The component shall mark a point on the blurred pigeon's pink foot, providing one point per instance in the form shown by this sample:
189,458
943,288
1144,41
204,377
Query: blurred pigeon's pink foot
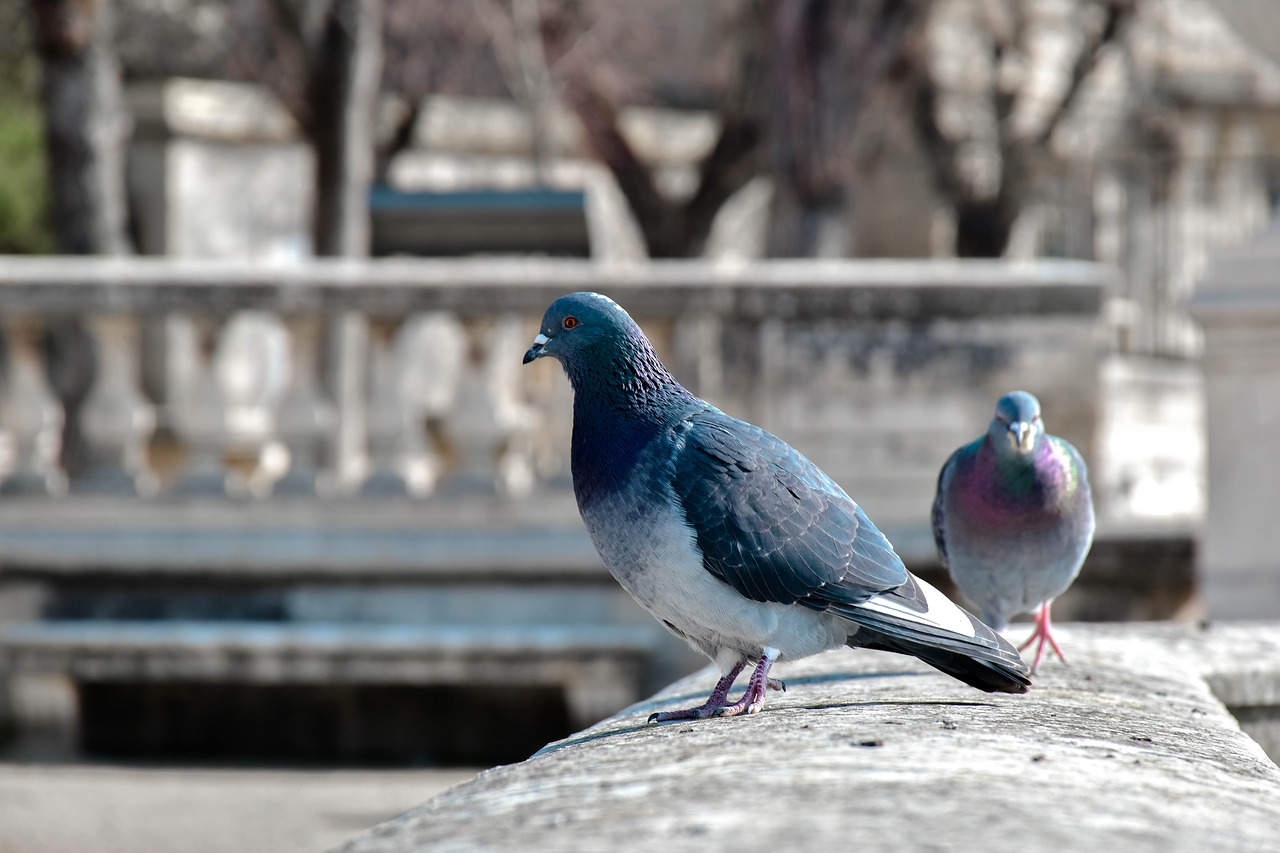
1044,633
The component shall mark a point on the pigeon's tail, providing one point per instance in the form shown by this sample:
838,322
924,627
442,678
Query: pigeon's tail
916,619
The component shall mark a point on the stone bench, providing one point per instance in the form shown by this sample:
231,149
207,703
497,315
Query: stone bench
461,222
588,661
1134,746
84,672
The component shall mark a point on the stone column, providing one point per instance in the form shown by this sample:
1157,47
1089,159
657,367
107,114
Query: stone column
1238,305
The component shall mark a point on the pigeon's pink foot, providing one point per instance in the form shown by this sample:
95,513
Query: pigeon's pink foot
718,699
717,704
753,699
1044,633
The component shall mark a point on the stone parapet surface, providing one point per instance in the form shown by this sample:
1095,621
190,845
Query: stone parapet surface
1129,747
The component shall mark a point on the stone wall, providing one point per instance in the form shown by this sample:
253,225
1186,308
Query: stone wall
209,515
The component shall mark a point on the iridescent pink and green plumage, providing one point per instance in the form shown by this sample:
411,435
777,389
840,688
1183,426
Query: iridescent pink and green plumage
1013,518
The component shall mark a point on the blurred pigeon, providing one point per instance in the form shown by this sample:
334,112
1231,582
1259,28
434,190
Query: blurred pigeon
728,536
1013,518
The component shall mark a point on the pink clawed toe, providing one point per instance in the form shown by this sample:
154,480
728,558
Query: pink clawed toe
1044,633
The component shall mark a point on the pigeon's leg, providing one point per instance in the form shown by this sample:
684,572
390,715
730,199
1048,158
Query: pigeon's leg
777,684
753,699
717,700
1044,633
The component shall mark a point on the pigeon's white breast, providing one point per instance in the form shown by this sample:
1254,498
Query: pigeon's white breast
653,553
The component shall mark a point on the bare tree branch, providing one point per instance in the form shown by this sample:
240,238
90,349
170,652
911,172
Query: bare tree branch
985,220
1119,14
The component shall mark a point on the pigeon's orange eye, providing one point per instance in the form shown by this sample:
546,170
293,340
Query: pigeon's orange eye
570,322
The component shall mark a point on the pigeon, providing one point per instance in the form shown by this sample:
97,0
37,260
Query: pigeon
727,535
1013,519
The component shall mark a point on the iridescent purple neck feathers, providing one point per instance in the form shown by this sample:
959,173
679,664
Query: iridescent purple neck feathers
1004,486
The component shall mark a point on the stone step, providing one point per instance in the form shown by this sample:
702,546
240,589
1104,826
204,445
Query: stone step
599,668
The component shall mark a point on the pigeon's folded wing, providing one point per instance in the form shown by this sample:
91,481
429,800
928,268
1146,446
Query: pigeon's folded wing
770,523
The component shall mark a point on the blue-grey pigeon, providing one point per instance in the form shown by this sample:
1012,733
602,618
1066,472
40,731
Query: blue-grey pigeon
1013,518
728,536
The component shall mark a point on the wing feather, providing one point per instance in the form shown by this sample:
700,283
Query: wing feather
770,523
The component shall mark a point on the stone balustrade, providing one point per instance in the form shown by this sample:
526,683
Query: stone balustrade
344,381
270,457
215,378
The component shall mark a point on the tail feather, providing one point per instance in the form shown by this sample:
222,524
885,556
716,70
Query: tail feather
920,621
989,676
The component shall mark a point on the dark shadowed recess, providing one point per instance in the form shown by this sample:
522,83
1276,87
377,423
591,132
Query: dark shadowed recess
381,726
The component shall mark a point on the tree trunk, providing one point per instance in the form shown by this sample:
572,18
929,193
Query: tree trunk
85,125
983,227
670,228
86,129
828,59
344,99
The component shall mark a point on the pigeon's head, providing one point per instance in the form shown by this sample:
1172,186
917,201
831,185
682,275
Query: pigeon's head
582,327
1016,425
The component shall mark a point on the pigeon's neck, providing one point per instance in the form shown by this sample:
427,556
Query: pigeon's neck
1041,479
620,404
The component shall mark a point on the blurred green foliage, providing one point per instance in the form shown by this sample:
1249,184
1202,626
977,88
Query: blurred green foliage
24,192
25,228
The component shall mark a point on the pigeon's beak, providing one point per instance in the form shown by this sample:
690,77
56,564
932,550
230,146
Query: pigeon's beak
537,350
1024,434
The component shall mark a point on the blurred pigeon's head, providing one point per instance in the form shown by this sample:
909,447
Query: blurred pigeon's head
1016,425
585,328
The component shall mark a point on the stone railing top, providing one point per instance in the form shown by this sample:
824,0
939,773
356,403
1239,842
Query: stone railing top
1128,748
897,288
470,536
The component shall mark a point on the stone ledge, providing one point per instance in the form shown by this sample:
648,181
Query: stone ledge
773,290
1128,748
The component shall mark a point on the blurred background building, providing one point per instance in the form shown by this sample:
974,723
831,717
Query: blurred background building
266,500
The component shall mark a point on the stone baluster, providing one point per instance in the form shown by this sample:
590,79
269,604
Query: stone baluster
252,367
386,423
518,421
542,386
770,368
399,464
490,426
116,419
430,349
345,348
31,414
200,416
697,357
306,417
